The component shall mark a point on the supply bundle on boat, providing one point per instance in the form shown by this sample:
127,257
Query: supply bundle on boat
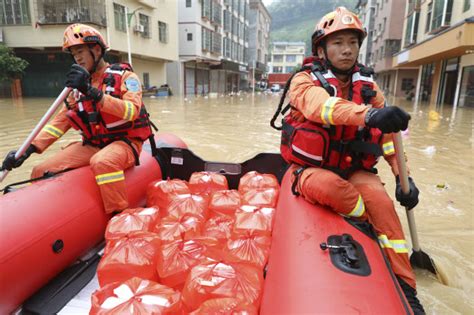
177,253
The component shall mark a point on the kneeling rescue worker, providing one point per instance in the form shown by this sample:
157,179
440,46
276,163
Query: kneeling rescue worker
106,106
338,127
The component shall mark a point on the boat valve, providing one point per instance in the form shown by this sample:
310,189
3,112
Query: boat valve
325,246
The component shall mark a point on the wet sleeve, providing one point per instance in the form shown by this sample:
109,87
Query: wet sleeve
54,130
128,107
317,105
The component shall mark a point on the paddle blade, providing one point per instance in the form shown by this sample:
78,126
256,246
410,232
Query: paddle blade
420,259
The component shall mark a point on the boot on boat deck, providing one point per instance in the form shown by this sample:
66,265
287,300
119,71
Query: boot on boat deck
410,294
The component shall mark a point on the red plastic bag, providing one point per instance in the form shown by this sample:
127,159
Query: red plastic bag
188,204
174,228
255,180
135,297
160,193
225,306
132,220
256,219
207,182
249,247
132,256
176,259
260,197
224,202
219,227
215,279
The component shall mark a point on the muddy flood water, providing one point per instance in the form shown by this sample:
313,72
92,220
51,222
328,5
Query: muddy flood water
439,145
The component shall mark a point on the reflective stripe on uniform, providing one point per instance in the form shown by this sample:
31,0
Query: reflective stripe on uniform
328,108
129,111
120,72
55,132
359,208
399,246
356,76
109,177
388,148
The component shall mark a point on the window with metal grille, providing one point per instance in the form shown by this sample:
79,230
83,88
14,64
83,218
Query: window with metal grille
14,12
412,28
145,22
70,11
206,9
206,39
119,17
162,32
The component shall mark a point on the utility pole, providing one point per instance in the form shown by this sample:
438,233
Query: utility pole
128,19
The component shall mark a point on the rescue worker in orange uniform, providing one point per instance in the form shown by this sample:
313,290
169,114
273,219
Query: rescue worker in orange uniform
106,106
337,128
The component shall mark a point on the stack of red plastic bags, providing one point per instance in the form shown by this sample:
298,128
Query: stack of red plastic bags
197,248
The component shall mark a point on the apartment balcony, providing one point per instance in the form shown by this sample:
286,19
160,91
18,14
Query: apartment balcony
67,12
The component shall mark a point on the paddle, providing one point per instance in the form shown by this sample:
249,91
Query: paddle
418,258
52,109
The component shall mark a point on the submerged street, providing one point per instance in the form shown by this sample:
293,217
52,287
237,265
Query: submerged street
438,143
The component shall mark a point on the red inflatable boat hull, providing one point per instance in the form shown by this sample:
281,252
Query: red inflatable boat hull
301,278
46,226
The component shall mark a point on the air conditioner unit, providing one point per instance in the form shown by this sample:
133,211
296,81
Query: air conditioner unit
139,28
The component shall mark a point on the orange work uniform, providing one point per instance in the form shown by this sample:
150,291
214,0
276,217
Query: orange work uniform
362,195
108,164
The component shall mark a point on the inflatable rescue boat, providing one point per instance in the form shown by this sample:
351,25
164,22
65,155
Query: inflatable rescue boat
320,262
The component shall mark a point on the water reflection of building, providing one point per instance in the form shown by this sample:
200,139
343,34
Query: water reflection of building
286,56
213,47
438,41
34,29
259,40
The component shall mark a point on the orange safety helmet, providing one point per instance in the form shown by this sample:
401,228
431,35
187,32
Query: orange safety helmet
81,34
338,20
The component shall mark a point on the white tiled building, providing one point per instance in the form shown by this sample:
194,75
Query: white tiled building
286,56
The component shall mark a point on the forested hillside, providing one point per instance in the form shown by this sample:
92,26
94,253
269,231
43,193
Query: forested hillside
294,20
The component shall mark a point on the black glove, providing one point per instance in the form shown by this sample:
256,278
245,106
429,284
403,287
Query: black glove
409,200
388,119
10,162
78,78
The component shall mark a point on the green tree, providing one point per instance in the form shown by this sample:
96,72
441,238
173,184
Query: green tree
11,67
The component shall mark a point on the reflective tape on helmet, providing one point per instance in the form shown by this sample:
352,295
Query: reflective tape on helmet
328,108
55,132
129,111
109,178
388,148
398,246
359,208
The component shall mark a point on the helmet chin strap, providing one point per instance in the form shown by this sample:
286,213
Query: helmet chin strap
96,62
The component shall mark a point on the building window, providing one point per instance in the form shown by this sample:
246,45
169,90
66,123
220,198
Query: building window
206,39
289,69
227,21
14,12
277,69
277,58
290,58
466,95
188,3
216,43
428,17
119,17
442,10
427,73
162,32
206,9
145,22
66,12
146,80
467,5
412,28
190,37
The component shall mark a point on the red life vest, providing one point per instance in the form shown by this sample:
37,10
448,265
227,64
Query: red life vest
99,128
340,148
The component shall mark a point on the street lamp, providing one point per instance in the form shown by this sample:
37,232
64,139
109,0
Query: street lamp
128,19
